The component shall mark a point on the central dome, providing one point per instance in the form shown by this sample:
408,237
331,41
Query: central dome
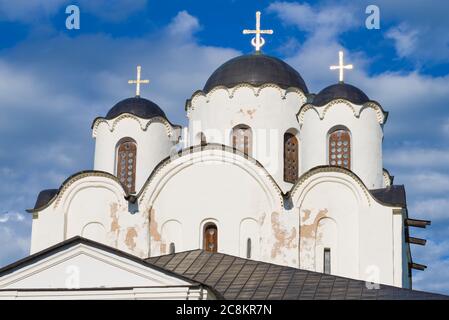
255,69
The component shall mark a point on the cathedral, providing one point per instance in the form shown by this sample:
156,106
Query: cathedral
270,192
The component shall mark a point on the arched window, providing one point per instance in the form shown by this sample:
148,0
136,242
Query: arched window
126,163
210,238
172,248
248,248
242,139
290,158
340,148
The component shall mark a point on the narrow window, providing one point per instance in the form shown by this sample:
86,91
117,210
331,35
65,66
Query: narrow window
172,248
203,140
248,248
290,158
126,164
340,148
242,139
210,238
327,261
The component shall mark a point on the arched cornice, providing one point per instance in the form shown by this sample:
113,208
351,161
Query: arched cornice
303,180
143,123
298,188
357,110
388,178
195,154
73,179
257,90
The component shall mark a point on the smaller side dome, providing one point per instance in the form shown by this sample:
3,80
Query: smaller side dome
340,91
137,106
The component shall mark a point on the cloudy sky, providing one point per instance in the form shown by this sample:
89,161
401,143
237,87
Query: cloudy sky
54,82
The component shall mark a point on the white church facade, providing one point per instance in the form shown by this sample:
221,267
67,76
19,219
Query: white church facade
264,171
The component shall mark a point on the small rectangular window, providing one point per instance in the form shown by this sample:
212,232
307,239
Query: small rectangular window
327,261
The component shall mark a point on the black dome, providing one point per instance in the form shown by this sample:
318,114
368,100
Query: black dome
137,106
255,69
340,91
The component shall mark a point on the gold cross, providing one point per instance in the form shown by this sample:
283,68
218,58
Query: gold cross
137,82
257,41
341,66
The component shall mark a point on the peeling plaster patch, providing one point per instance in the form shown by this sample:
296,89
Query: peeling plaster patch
249,112
130,241
114,224
309,238
308,230
306,215
284,239
154,233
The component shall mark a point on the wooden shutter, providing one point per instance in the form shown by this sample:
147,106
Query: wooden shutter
126,165
242,139
211,238
290,158
340,149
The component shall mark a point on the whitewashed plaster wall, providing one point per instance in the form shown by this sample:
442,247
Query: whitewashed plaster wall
155,139
365,126
225,188
92,205
268,110
337,212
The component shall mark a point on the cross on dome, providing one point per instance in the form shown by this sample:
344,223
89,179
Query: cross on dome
341,66
137,82
257,41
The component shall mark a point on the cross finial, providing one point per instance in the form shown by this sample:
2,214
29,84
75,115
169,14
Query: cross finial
137,82
341,66
257,41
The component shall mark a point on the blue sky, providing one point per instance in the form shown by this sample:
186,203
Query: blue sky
54,82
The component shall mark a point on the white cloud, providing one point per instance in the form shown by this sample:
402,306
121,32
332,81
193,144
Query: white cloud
436,277
326,21
183,25
18,245
435,209
413,157
428,182
406,39
11,216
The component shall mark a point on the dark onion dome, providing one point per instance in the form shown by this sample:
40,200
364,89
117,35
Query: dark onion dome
340,91
137,106
255,69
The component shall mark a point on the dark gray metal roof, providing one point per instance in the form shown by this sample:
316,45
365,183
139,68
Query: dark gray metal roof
255,69
143,108
44,197
238,278
393,195
230,277
340,91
